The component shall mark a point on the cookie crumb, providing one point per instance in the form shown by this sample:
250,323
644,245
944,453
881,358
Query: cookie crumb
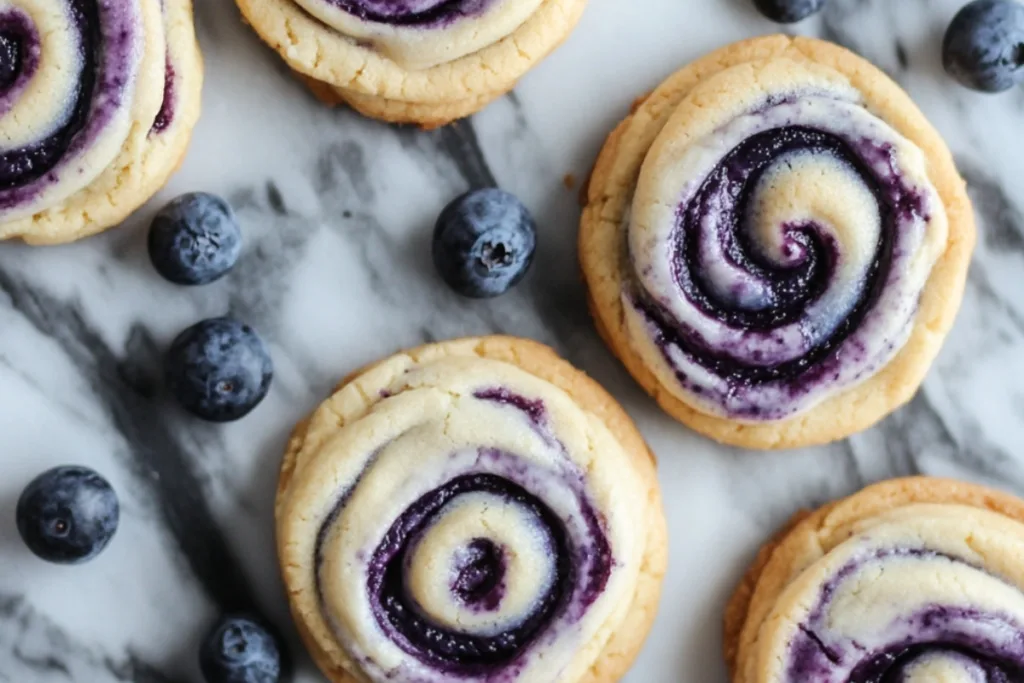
569,181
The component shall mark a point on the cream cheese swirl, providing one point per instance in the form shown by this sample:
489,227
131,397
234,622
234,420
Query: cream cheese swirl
779,245
465,521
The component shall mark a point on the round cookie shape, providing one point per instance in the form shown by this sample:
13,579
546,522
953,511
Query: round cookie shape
911,580
473,510
775,243
427,62
85,144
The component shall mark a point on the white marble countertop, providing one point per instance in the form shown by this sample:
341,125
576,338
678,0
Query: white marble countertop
337,214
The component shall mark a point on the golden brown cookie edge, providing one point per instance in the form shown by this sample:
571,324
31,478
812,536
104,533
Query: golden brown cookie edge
819,425
777,554
541,361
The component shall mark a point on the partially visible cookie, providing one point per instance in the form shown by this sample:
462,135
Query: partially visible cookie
916,579
415,61
86,151
475,509
775,243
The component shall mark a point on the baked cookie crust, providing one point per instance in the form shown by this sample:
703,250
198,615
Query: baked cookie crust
811,535
607,657
164,113
339,69
602,246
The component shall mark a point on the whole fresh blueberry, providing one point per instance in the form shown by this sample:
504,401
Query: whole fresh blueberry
218,369
484,243
788,11
195,239
240,650
68,514
984,45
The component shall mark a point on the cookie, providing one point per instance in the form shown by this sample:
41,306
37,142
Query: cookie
916,579
425,62
476,509
775,243
98,108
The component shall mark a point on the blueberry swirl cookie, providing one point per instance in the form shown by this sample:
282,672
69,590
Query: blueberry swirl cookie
97,103
426,62
776,243
475,510
914,580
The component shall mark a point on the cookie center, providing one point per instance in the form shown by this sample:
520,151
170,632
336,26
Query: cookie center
471,573
479,570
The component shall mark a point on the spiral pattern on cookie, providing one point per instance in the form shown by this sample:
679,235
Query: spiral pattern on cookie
919,594
82,85
460,525
778,243
69,69
419,34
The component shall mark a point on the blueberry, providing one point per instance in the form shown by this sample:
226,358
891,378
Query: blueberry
218,369
984,45
484,243
240,650
195,239
788,11
68,514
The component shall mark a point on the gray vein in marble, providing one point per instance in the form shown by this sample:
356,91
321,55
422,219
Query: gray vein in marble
818,476
1002,219
66,406
127,387
260,281
460,145
345,159
36,650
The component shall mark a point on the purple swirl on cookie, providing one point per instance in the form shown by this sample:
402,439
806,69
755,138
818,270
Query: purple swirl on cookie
479,580
165,117
412,12
959,641
19,56
532,408
760,318
446,649
570,567
106,35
